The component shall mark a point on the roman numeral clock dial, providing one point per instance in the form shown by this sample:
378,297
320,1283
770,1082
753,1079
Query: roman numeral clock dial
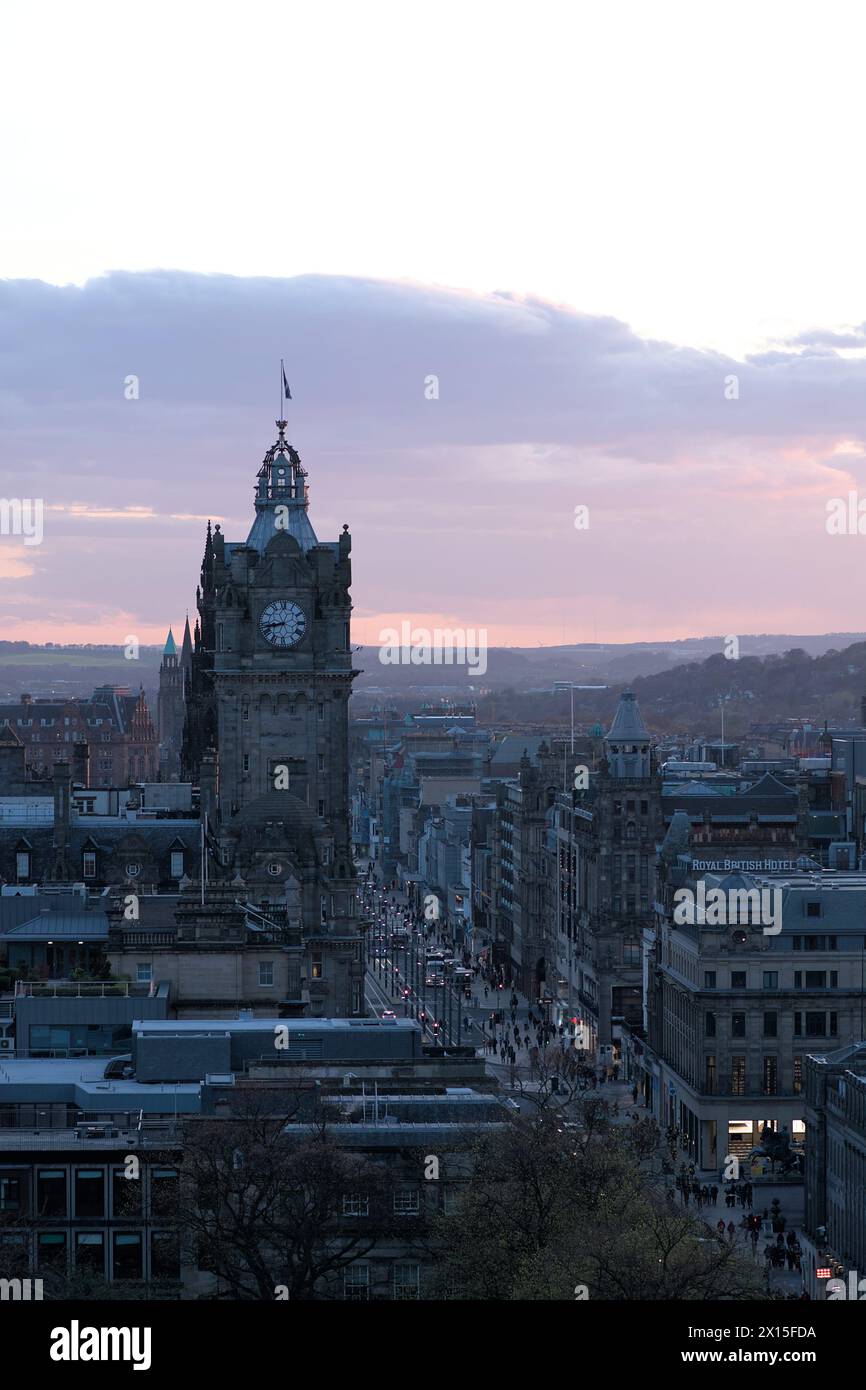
283,623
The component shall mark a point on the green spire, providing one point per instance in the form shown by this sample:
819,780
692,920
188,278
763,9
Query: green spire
170,648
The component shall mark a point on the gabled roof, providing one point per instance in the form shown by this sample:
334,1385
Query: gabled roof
768,785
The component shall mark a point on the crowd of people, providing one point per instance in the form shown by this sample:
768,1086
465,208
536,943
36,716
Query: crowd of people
517,1034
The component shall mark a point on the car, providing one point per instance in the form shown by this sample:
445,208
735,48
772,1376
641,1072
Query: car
388,1013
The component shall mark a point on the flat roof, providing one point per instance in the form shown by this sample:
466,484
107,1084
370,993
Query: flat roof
261,1025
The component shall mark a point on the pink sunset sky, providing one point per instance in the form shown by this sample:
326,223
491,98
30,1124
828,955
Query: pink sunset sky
706,514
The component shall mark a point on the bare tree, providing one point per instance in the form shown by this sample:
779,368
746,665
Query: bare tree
269,1205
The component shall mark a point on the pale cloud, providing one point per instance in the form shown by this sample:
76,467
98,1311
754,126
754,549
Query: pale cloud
463,505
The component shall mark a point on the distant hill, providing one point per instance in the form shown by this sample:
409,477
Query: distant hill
679,684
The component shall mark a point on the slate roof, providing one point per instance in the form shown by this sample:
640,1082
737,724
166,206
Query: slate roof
628,725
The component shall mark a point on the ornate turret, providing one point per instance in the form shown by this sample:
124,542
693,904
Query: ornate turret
627,742
281,497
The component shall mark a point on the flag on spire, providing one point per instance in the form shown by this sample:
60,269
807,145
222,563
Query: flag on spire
288,393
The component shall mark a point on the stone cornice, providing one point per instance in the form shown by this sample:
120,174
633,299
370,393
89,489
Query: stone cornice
284,677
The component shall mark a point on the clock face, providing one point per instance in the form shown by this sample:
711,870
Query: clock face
283,623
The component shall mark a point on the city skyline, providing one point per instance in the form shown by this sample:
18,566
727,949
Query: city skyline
446,424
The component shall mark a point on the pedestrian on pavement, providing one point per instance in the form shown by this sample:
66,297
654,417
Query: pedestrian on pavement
714,1194
732,1230
634,1094
720,1227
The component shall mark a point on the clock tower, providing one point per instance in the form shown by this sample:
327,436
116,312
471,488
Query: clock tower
268,698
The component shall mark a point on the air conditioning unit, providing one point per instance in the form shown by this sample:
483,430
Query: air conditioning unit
7,1045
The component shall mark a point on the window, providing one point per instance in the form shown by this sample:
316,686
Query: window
320,762
316,965
816,1025
354,1204
246,711
10,1194
405,1280
22,864
127,1254
321,712
50,1192
163,1191
133,870
798,1025
770,1077
90,1252
834,979
407,1201
816,979
770,979
144,973
266,972
738,979
738,1025
709,979
738,1076
834,1025
356,1282
219,636
710,1076
771,1024
125,1194
321,806
89,1192
164,1255
176,870
88,868
813,909
798,1074
709,1025
246,762
51,1250
798,979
